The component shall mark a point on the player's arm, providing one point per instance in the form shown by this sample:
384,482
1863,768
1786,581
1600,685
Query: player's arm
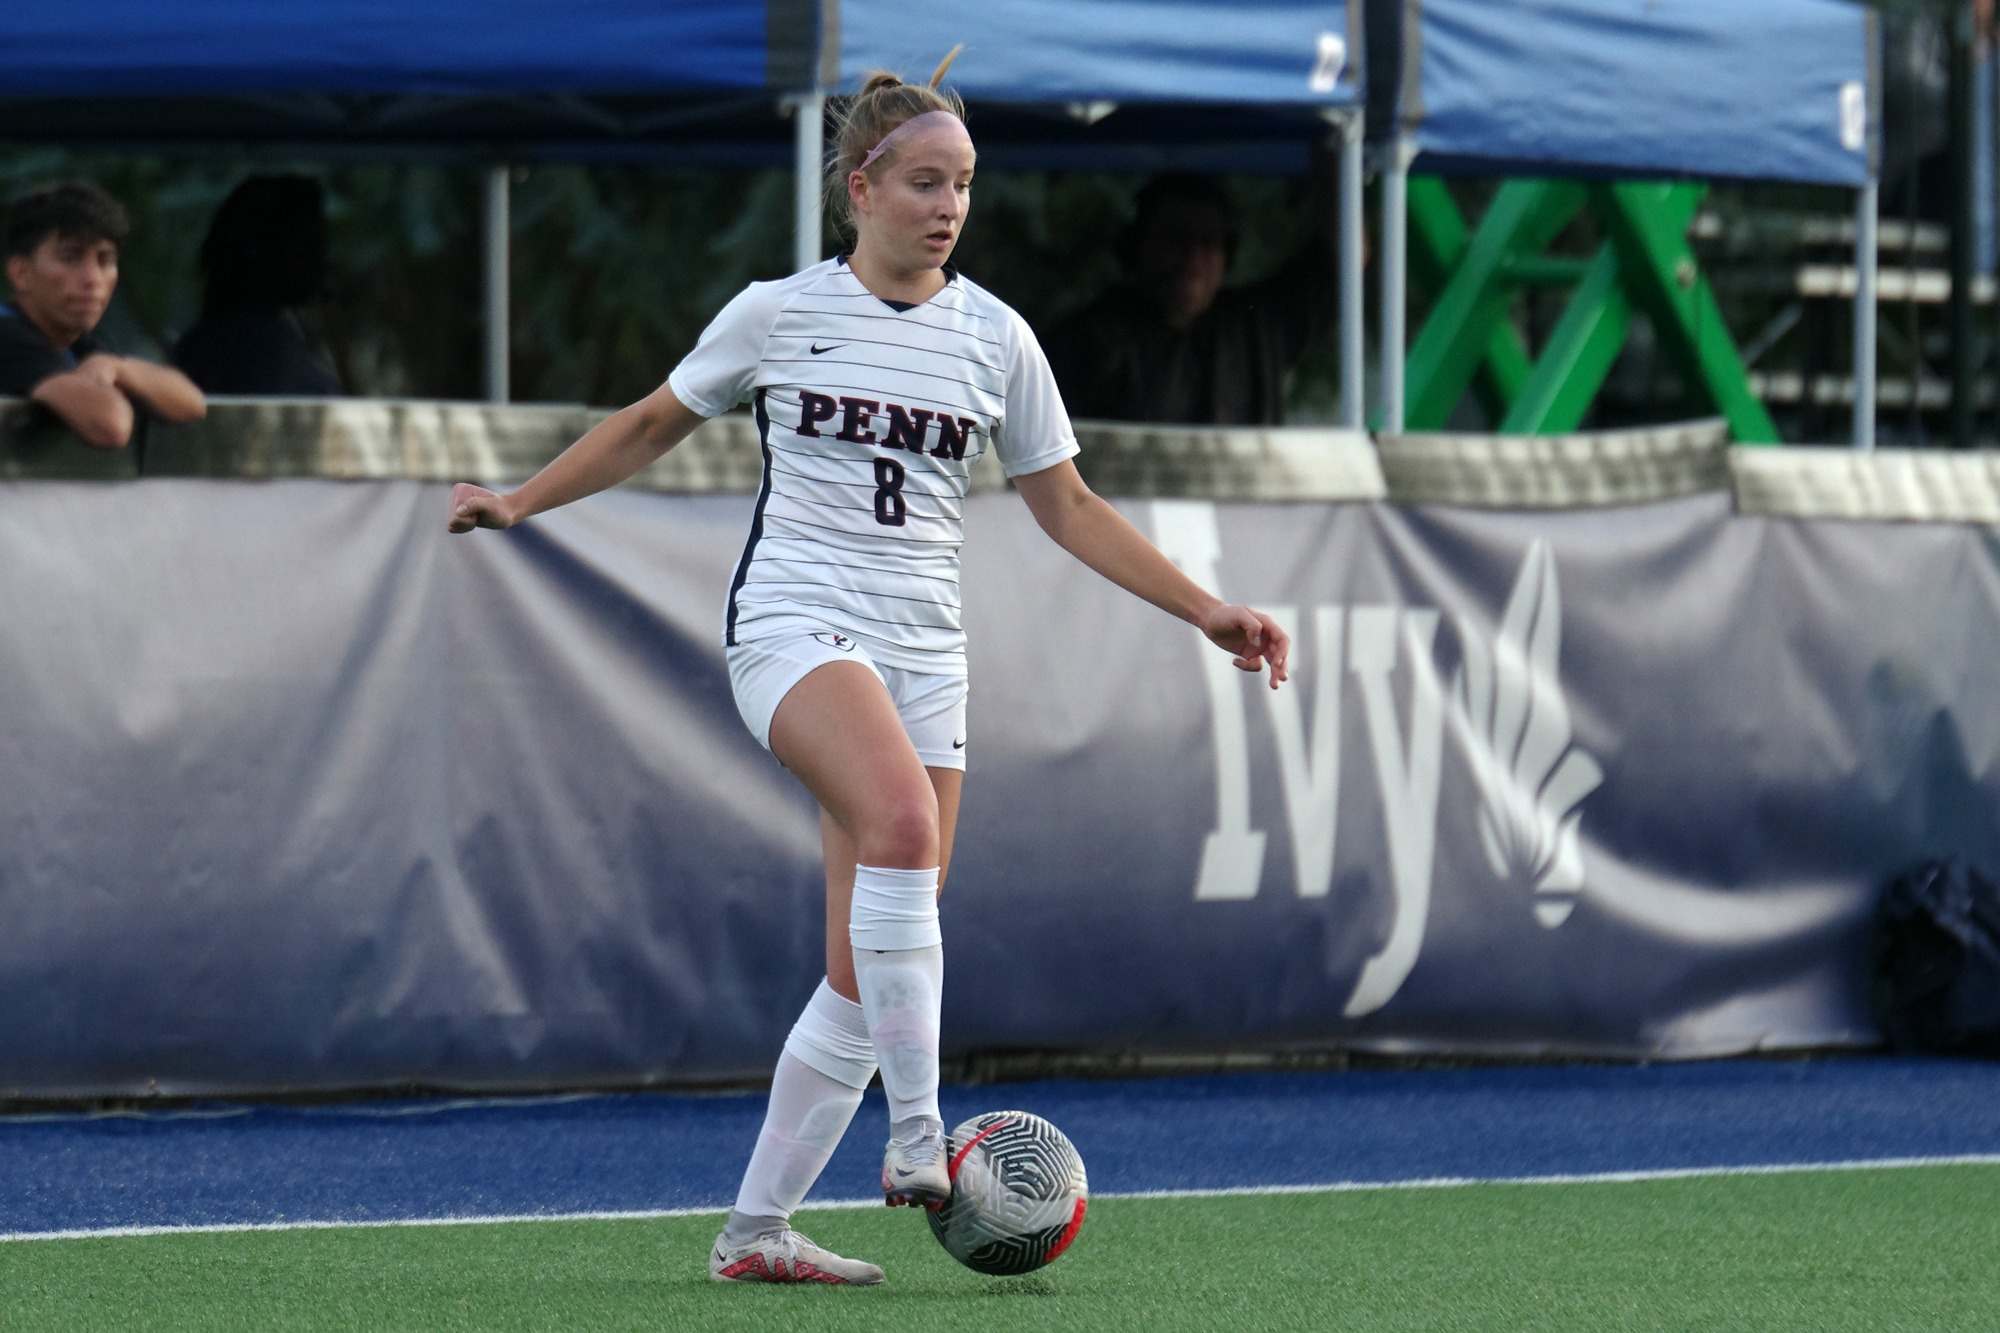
89,402
1080,522
609,452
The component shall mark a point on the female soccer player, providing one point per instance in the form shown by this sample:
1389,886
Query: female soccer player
876,378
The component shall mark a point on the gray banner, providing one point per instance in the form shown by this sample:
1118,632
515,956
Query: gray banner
297,792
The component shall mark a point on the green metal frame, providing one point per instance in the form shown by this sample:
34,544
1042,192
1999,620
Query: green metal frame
1438,239
1645,263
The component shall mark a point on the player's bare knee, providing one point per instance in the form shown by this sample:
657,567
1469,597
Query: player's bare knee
902,832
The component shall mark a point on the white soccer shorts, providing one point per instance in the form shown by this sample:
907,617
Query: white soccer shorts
762,673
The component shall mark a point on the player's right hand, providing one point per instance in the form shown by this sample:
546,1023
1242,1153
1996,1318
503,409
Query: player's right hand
476,507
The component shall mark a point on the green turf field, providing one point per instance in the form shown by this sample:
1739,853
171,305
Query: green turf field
1869,1249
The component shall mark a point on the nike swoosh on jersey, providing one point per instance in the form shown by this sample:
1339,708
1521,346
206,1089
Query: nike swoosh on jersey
958,745
817,350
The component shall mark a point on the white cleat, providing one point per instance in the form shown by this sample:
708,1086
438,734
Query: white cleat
914,1172
786,1256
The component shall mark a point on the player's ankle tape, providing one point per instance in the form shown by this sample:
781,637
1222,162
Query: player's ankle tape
894,909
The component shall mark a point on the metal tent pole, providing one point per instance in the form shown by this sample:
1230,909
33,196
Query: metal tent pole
1960,112
1395,281
1353,331
1866,258
809,139
497,332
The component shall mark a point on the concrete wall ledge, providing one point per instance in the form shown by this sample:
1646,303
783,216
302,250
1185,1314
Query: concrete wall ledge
376,439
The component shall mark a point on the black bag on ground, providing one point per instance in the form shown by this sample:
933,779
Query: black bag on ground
1937,960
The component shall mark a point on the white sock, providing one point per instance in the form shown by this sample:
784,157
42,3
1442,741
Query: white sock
901,992
826,1064
899,966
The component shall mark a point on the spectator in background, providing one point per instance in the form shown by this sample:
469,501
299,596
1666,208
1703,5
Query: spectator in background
264,256
62,264
1171,343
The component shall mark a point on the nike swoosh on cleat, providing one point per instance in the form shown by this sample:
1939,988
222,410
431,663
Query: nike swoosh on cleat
817,350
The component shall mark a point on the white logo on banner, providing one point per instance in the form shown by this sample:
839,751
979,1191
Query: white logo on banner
1506,704
1509,705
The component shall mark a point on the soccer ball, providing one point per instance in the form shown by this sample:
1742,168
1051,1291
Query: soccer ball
1018,1194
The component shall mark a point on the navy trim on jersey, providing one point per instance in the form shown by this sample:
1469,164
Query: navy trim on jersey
756,519
902,307
950,269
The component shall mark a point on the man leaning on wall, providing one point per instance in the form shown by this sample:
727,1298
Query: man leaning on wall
62,265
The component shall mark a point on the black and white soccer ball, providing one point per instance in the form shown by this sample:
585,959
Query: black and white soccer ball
1018,1194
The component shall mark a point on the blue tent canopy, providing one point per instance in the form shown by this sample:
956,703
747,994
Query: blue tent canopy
1251,52
1776,90
1136,84
463,48
1753,89
690,80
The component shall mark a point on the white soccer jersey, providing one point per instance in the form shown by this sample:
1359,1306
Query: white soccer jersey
870,417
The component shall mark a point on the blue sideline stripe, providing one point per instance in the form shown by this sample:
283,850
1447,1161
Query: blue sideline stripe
226,1165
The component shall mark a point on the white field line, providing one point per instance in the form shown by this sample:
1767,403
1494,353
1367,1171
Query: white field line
1236,1191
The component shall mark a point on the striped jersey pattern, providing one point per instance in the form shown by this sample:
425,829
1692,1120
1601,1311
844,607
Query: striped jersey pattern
870,418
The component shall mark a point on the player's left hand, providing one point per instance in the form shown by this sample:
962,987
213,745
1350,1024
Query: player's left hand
1252,637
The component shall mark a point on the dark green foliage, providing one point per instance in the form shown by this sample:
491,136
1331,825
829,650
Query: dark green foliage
616,269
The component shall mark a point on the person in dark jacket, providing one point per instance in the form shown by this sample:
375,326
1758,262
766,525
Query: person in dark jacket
1171,343
264,256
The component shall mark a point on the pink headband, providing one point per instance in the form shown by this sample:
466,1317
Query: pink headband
915,124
